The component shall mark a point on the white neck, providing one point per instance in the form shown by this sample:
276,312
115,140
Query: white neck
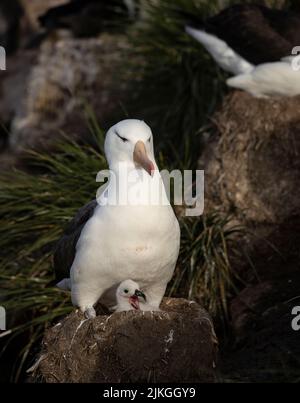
123,304
129,185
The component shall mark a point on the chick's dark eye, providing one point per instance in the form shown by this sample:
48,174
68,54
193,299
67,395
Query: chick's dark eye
149,139
122,138
126,291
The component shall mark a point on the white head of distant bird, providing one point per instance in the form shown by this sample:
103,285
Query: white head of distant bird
130,141
129,296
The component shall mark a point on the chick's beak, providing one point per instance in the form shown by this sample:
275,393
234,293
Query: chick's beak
140,158
139,293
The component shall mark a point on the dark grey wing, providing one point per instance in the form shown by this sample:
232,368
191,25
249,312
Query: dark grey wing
65,249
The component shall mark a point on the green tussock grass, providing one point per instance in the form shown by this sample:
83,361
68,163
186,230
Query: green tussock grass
204,271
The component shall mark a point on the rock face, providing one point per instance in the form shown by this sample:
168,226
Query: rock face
70,74
52,79
13,84
177,344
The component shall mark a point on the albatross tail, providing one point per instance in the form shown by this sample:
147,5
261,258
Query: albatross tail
226,57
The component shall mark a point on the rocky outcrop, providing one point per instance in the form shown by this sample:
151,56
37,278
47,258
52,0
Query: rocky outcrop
50,80
177,344
13,85
70,74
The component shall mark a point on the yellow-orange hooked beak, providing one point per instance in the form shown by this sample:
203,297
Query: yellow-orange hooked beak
140,157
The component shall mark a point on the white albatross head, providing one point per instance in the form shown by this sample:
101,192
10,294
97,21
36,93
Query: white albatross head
130,141
129,296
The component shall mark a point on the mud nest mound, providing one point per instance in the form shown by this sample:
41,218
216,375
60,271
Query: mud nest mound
254,166
177,344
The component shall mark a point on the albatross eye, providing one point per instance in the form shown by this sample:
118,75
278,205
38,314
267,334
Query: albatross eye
126,291
122,138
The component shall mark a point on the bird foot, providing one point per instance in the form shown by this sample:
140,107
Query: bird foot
90,313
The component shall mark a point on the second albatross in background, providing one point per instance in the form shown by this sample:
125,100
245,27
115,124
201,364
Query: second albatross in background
255,43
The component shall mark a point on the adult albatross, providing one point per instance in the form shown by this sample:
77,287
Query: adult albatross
256,44
110,241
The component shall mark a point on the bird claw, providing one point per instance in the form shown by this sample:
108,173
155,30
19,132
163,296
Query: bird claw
90,313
